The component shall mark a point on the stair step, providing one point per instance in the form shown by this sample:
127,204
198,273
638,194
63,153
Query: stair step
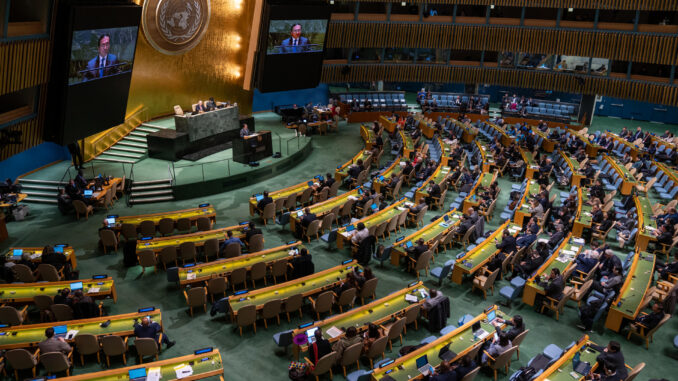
113,160
147,129
139,140
138,133
127,149
136,188
153,126
149,182
27,187
131,144
150,200
25,181
46,194
53,200
121,154
150,193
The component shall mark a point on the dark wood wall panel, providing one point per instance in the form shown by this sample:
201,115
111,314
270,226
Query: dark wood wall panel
643,91
613,45
667,5
23,64
31,136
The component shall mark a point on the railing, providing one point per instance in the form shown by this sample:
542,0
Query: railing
96,144
89,167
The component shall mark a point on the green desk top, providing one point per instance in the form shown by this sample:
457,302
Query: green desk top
15,292
644,208
446,149
485,181
223,267
529,159
326,206
433,229
562,373
487,155
560,260
477,257
35,252
531,190
362,155
585,215
192,213
574,164
621,170
459,340
306,285
379,217
635,285
379,310
438,176
202,366
371,136
393,169
199,238
284,193
408,143
31,335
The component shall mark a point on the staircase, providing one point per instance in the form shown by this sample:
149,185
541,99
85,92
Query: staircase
144,192
40,191
132,147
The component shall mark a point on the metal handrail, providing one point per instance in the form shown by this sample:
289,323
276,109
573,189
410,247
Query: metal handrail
173,175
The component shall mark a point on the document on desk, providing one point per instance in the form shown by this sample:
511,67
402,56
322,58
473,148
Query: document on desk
153,374
93,290
190,276
334,332
183,370
411,298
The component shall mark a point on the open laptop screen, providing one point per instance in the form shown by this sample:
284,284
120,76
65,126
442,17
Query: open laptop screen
60,330
76,286
422,361
491,315
137,373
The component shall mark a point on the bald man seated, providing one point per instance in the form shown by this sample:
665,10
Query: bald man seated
149,329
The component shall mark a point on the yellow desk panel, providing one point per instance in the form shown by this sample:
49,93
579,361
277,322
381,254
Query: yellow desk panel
198,238
475,259
36,255
393,210
23,293
322,208
192,214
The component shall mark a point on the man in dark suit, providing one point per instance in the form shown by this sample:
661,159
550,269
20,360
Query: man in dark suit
612,356
433,192
516,324
508,242
415,251
149,329
308,218
649,321
251,231
263,202
104,64
296,43
609,262
553,287
556,237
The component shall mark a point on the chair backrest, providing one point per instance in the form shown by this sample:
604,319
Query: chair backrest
43,302
10,316
54,362
491,278
293,303
129,231
271,308
168,254
204,224
187,251
146,346
247,315
269,211
334,188
113,345
238,276
423,260
378,347
324,364
232,250
369,287
306,195
412,314
166,226
20,359
62,312
147,258
347,297
291,201
564,299
196,296
396,329
48,272
635,371
279,268
279,204
184,225
23,273
322,196
86,344
313,228
147,228
656,327
258,271
328,220
504,358
80,206
108,237
256,243
211,248
216,285
324,302
519,339
470,376
351,354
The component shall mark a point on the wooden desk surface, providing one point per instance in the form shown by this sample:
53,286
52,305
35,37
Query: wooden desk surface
30,335
191,213
282,193
36,254
99,195
156,244
322,208
460,341
305,286
223,267
561,369
389,171
438,176
18,293
342,170
204,365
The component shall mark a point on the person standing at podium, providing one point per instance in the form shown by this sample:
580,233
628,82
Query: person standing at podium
244,131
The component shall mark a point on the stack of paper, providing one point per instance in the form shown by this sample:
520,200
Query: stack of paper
411,298
190,276
93,290
153,374
334,332
183,370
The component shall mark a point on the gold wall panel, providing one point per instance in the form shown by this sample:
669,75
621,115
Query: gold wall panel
621,88
636,47
24,64
214,68
666,5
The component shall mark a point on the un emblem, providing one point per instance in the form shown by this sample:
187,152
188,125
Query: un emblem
175,26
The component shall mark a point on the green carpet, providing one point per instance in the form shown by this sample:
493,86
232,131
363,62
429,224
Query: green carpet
254,355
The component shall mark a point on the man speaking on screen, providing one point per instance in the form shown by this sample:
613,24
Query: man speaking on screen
104,64
296,43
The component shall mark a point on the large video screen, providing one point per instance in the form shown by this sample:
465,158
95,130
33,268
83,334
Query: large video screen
296,36
100,53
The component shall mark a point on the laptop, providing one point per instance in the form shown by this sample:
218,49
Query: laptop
374,206
260,197
350,228
446,218
138,374
110,222
76,286
17,252
88,193
60,331
478,332
491,316
310,183
310,334
423,366
409,244
59,249
381,178
446,354
300,213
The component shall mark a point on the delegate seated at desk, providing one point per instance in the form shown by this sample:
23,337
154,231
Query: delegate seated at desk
54,344
148,329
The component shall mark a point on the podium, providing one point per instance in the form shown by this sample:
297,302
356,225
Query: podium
253,147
